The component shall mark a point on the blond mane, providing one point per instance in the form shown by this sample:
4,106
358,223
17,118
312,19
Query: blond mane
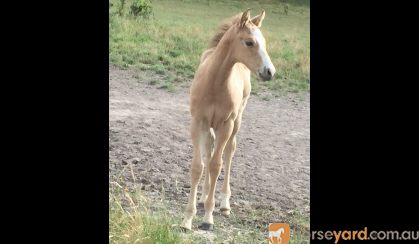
222,29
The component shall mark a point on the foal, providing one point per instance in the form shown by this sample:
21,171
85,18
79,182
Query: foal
219,94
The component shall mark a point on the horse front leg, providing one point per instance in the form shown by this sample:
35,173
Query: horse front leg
222,135
228,156
226,192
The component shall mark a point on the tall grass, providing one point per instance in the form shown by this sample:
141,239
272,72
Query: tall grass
132,221
172,40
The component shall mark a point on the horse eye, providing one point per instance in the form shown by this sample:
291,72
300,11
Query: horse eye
249,44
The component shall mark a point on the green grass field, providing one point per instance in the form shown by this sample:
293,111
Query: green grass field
171,41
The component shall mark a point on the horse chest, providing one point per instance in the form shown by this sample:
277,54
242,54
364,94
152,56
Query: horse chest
222,109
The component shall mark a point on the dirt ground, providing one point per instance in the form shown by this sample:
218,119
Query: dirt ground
149,130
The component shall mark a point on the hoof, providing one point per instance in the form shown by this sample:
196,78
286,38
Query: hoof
184,229
225,211
206,226
186,226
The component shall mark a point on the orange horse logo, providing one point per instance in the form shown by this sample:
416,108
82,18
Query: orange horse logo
279,233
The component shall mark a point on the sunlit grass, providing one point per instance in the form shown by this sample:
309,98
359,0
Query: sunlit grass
172,40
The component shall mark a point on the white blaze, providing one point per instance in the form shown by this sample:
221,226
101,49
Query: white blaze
266,60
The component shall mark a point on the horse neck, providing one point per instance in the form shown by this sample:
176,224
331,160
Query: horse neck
222,61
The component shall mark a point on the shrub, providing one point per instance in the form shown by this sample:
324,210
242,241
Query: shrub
141,8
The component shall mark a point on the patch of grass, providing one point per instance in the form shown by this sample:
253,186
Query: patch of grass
173,39
134,218
168,84
266,98
288,54
255,86
300,227
246,236
159,69
141,67
131,220
153,82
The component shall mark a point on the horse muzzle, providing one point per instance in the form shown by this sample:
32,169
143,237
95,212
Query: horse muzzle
267,73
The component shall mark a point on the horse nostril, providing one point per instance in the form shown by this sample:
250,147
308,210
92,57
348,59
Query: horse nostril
269,73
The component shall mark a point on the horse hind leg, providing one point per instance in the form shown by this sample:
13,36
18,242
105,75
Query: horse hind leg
207,149
197,166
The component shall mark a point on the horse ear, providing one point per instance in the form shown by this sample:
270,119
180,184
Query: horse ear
257,20
245,18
